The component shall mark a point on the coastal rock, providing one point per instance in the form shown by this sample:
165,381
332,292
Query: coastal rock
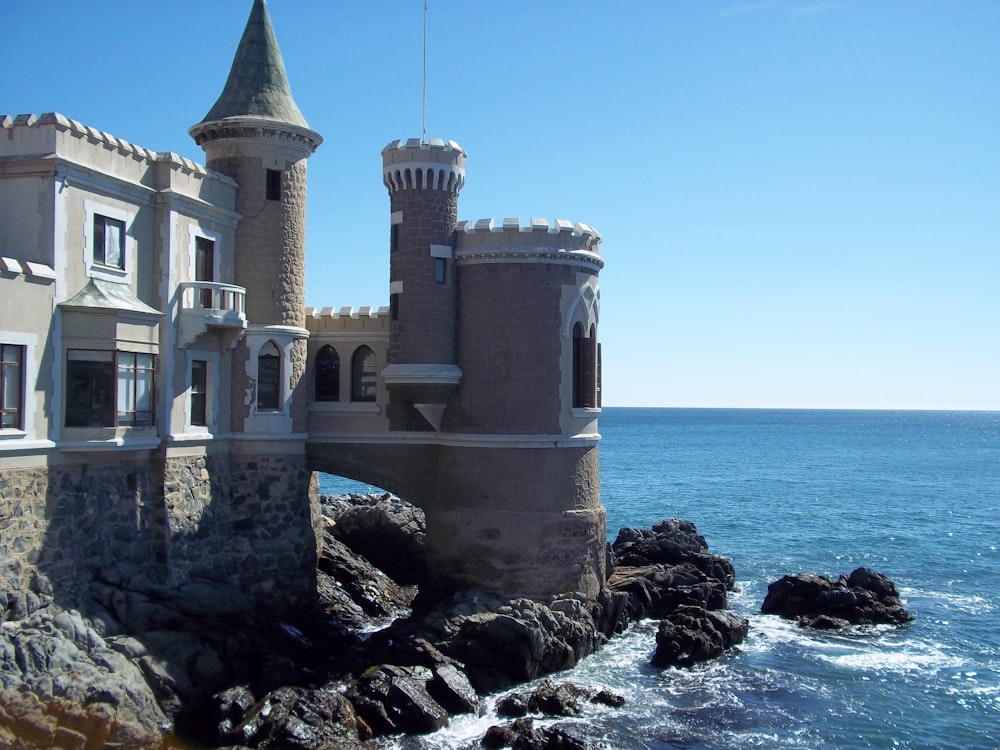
653,591
522,640
522,735
359,592
59,676
388,532
295,718
671,542
862,598
693,634
393,699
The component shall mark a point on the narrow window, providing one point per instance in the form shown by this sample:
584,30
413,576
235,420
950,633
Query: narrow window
363,376
393,307
109,241
199,392
327,374
584,368
599,376
440,270
135,389
90,388
273,185
393,238
11,386
204,268
268,377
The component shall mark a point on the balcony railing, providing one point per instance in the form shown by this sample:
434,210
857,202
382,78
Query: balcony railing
211,305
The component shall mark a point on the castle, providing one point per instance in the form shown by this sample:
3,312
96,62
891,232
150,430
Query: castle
167,398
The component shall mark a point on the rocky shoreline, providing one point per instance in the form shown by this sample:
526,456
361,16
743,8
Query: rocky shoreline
373,656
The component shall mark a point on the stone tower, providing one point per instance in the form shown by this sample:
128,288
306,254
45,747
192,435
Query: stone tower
256,135
423,180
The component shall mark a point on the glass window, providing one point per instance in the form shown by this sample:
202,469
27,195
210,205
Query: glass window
11,386
109,241
90,388
268,377
135,389
363,374
204,268
584,367
199,392
327,374
93,391
440,270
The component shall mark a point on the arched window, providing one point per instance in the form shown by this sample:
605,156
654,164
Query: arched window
584,368
269,377
327,374
363,375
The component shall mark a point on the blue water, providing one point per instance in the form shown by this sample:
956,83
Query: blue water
915,495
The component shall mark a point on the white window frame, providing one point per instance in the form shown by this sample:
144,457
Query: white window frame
211,392
13,438
91,209
194,232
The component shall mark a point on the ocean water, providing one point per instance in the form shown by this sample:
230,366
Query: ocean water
915,495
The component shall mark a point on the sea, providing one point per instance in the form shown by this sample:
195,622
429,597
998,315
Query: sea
912,494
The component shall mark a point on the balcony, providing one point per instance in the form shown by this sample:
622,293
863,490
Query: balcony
211,307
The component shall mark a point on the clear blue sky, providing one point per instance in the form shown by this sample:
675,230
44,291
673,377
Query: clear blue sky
800,199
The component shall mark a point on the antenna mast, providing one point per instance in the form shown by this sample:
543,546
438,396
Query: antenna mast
423,113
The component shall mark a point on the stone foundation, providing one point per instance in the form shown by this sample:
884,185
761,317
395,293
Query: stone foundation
243,521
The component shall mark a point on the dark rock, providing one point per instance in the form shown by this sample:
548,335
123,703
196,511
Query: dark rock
522,735
403,693
451,688
863,598
385,530
656,590
368,588
298,719
522,640
512,706
556,700
607,698
692,634
671,542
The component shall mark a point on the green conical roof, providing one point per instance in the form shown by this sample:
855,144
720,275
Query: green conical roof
257,85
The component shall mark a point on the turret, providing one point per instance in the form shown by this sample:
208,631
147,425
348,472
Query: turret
256,134
423,180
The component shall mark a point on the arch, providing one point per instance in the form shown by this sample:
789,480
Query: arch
269,377
363,374
327,374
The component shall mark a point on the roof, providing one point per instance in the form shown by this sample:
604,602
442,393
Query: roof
106,295
257,85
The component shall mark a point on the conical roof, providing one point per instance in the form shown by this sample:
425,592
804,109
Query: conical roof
257,85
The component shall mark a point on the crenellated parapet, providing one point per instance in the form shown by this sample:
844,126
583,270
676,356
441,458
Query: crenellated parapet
414,164
347,319
26,130
533,241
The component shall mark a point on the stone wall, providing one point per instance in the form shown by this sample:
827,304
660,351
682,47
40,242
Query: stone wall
249,522
62,526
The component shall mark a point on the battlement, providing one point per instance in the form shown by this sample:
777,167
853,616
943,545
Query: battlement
536,240
330,320
34,135
436,164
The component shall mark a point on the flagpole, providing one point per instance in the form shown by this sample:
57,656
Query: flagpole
423,113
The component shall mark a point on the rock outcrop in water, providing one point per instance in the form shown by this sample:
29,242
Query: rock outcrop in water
862,598
668,573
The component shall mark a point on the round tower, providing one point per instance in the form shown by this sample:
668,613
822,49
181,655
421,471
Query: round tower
517,499
423,179
256,135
